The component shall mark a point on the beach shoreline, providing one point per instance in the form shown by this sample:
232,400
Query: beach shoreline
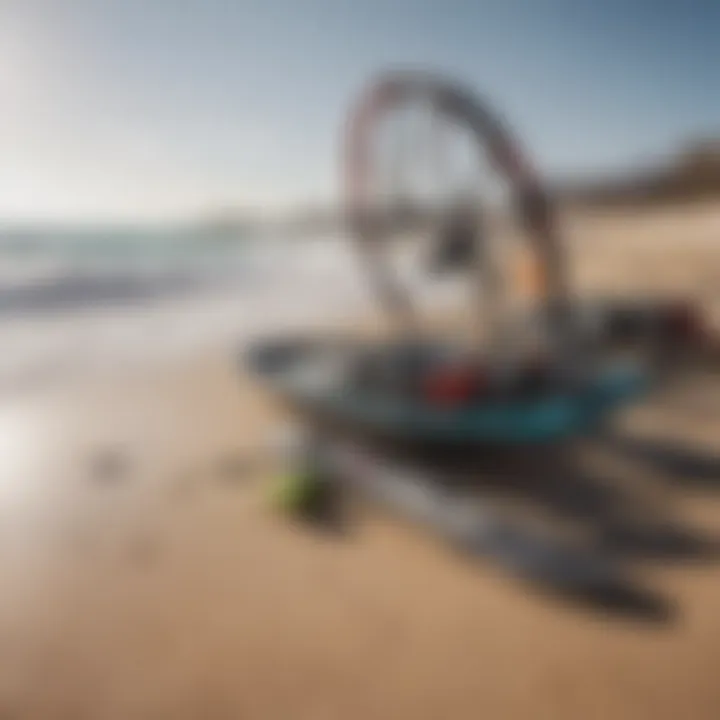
145,575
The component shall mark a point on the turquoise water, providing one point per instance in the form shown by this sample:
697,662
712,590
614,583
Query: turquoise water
97,297
120,245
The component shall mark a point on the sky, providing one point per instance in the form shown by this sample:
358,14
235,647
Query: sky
135,109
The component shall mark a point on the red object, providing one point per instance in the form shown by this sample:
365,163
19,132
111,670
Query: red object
686,323
454,385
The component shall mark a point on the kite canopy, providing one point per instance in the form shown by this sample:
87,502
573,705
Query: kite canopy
371,219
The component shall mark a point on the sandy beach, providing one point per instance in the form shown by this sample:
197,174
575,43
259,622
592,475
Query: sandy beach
144,576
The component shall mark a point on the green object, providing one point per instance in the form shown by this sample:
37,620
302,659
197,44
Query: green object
296,492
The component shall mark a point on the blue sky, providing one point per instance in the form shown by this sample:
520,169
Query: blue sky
161,108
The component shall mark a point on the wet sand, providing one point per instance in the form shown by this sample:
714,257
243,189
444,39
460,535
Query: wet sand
144,577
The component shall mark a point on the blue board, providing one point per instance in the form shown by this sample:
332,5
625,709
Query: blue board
541,419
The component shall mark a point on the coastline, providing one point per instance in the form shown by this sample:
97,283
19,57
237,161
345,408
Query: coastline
144,575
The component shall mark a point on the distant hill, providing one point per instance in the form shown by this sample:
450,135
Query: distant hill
694,174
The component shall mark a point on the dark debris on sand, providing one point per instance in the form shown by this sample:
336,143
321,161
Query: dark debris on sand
110,465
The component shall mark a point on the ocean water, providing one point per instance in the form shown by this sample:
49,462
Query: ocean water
85,301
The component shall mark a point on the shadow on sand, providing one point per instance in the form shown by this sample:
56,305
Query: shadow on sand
554,520
680,465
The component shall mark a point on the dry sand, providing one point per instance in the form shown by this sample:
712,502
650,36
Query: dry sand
143,576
